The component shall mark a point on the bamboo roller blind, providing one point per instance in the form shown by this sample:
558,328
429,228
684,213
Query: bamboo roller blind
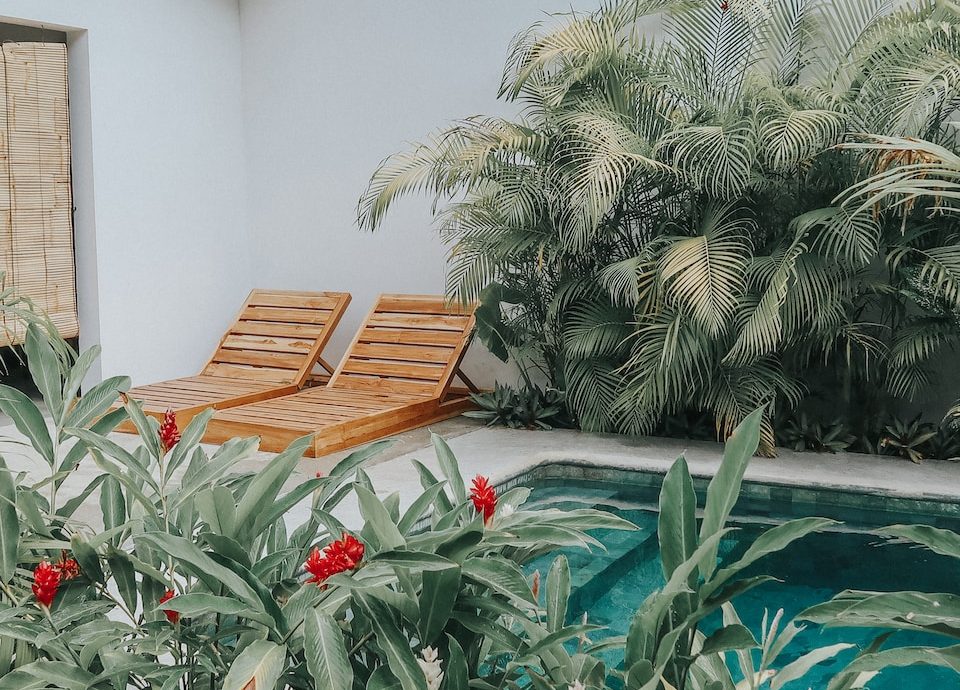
36,224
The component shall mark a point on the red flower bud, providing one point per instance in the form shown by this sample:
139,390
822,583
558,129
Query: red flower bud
172,616
46,582
169,434
68,567
484,498
336,557
535,586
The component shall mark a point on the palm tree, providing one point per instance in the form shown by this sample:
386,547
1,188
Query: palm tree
657,231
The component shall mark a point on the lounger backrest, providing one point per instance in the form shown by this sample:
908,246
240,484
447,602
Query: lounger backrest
278,336
410,344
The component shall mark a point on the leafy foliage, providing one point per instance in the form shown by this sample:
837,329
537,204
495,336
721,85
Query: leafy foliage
196,578
526,408
658,232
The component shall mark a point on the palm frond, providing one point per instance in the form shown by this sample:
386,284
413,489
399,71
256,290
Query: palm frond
789,137
762,330
704,274
839,233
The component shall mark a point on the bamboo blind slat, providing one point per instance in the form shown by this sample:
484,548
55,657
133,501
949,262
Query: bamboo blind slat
36,223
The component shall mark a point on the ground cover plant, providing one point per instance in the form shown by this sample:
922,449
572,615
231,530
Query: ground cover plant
669,228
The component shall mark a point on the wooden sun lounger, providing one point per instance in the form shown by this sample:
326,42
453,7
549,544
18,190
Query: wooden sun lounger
270,350
396,376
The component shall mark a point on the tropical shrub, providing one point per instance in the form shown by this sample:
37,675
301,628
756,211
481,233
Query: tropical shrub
196,578
657,232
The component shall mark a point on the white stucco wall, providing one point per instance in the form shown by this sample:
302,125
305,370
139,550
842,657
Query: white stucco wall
330,89
162,243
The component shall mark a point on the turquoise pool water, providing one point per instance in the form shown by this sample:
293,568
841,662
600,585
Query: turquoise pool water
609,585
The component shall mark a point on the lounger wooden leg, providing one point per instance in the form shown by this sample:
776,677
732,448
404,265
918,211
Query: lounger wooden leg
473,388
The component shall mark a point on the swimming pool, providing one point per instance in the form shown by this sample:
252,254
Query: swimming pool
609,585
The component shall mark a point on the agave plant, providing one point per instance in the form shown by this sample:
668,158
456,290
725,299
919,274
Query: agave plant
657,230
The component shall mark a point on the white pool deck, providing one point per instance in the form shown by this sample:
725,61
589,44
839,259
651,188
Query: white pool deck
502,454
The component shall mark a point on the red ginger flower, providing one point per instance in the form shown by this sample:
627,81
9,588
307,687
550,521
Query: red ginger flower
336,557
484,497
169,434
172,616
46,582
68,567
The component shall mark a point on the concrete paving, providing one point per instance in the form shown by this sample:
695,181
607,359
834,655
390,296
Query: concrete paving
502,454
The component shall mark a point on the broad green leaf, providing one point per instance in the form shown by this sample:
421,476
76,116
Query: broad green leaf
129,463
218,509
75,379
543,645
501,576
414,560
258,667
43,673
428,479
557,593
102,426
378,519
391,640
449,467
420,505
456,676
266,485
724,488
194,604
948,657
900,610
326,651
189,438
96,401
729,637
677,525
28,419
113,506
9,524
798,668
123,574
941,541
201,565
44,369
773,540
382,679
437,597
87,557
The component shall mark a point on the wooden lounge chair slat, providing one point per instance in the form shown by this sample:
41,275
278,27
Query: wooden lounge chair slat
405,336
402,353
393,369
261,298
270,350
396,375
278,330
371,383
428,321
285,315
267,343
273,360
420,304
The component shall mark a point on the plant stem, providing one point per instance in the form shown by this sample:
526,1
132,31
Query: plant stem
362,641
